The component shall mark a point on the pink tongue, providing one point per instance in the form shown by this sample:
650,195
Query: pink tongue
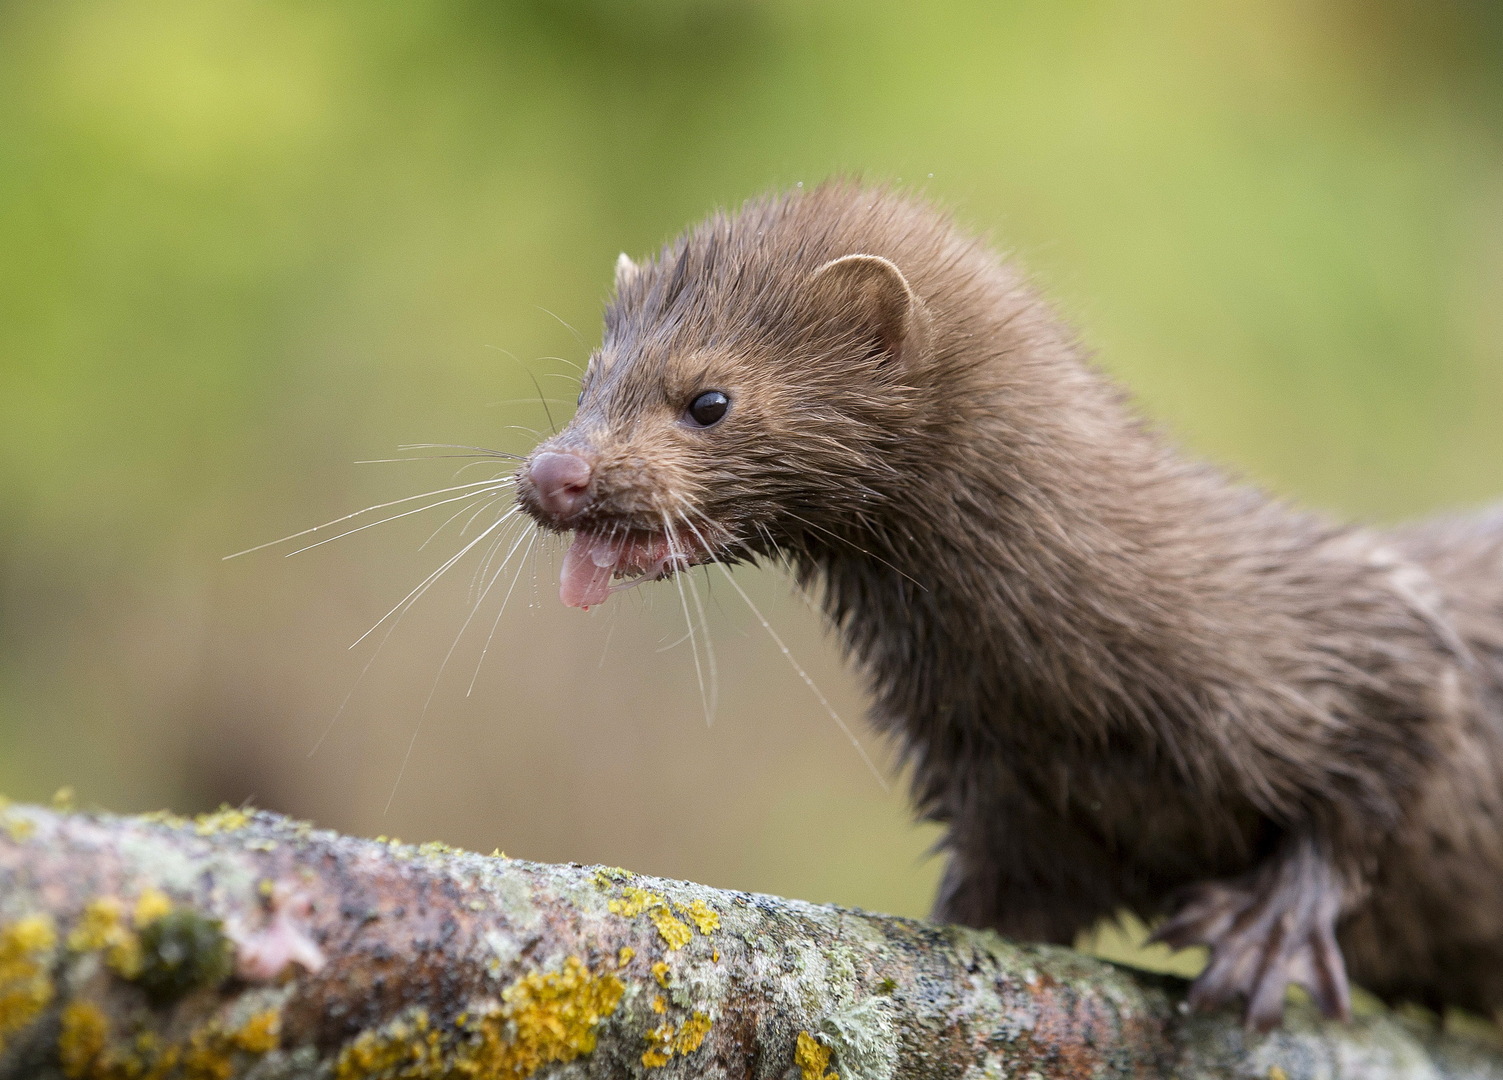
584,582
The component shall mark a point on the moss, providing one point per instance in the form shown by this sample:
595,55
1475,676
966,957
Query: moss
813,1058
26,986
182,951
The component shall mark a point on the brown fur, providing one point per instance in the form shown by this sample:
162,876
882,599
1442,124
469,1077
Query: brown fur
1120,679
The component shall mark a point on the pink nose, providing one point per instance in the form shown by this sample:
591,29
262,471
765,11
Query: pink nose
561,481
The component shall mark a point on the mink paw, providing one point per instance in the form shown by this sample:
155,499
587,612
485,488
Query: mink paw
1265,931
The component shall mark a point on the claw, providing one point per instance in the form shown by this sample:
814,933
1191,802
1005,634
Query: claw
1274,927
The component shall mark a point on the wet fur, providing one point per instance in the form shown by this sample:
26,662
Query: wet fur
1121,680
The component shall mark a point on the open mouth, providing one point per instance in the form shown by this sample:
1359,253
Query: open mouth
595,560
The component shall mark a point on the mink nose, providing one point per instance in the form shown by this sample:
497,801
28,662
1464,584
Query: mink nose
561,481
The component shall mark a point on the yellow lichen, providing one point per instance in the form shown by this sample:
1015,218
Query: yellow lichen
165,817
660,973
226,819
82,1039
543,1018
702,915
607,877
208,1053
634,901
151,905
98,926
25,984
813,1058
715,957
405,1048
624,956
660,1047
102,927
261,1034
20,828
554,1015
664,1040
692,1033
659,1004
673,931
1277,1073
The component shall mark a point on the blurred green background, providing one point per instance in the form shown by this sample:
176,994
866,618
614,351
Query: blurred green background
244,245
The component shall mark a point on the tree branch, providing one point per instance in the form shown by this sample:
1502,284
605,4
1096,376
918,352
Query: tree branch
249,945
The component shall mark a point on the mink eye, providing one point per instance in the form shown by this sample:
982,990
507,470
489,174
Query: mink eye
708,408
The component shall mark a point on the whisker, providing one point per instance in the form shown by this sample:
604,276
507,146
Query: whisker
528,401
437,678
678,580
364,670
578,337
704,623
871,767
488,501
423,586
490,556
531,537
482,450
610,632
851,543
395,517
357,513
675,643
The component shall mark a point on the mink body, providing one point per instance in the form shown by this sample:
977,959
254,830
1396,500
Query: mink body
1121,680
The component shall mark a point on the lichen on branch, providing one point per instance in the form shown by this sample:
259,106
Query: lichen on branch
244,944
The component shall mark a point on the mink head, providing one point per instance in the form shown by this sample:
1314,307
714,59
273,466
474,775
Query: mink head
759,385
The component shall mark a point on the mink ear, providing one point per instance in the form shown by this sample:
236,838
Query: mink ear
872,291
626,271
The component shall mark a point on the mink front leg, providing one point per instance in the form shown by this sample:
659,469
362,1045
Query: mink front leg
1267,929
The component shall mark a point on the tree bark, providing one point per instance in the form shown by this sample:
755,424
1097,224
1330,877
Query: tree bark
244,944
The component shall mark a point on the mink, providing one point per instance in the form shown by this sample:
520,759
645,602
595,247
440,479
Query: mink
1119,679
